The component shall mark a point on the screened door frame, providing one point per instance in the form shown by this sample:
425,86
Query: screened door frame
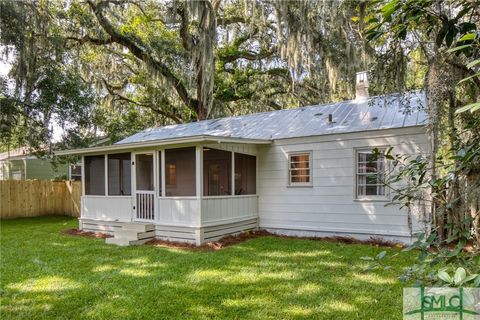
153,192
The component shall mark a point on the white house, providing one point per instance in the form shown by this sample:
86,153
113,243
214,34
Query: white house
304,171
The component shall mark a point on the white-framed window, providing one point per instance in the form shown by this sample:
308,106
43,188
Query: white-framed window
370,174
300,168
75,171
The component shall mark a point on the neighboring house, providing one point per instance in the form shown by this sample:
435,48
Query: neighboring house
306,171
20,165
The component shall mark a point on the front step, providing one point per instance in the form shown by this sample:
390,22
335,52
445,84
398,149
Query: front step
126,242
132,234
140,227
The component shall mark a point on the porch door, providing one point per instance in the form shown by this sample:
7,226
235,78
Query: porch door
144,187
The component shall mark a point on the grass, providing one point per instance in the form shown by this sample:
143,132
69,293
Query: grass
45,274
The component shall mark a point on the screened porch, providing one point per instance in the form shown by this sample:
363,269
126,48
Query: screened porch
190,186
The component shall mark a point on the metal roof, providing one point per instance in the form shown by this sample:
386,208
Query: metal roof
381,112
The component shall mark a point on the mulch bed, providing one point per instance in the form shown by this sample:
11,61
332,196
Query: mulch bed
239,238
244,236
76,232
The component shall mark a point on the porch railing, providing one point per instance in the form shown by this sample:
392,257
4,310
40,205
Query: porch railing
145,209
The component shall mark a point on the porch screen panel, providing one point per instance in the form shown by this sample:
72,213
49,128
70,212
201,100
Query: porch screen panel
245,174
119,174
144,171
217,172
95,175
180,172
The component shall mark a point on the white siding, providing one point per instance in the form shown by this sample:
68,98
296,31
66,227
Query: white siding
107,208
179,211
330,204
231,208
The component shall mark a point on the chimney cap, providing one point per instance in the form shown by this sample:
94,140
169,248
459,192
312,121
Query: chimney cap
361,85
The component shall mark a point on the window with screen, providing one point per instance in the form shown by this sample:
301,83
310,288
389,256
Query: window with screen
300,172
144,172
245,174
119,174
95,175
217,172
180,172
370,174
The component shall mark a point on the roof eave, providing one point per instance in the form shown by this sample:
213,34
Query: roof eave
157,143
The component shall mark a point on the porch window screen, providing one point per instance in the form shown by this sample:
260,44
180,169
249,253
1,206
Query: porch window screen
245,174
119,174
300,173
144,171
217,172
180,172
95,175
370,173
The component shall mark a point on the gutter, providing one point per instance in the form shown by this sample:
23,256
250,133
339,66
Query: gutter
157,143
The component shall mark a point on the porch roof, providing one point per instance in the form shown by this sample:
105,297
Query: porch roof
156,143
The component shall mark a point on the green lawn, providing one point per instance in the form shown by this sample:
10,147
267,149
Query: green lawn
45,274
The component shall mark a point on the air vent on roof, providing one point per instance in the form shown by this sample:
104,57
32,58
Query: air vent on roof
330,118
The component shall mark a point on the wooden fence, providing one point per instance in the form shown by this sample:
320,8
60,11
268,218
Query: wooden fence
31,198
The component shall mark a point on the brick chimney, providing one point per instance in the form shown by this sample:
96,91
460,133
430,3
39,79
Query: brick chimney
361,85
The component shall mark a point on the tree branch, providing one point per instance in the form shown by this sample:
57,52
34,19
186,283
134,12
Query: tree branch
89,39
140,51
111,90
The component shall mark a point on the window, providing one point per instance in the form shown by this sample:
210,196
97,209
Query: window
300,173
245,174
75,172
180,172
95,175
217,172
172,174
119,174
370,173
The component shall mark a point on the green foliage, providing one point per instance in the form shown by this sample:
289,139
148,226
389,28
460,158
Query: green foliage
173,62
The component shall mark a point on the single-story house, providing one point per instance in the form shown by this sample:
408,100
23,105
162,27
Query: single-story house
19,164
306,171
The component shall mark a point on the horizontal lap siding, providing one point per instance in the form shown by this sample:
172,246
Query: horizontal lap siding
330,204
228,208
181,211
107,208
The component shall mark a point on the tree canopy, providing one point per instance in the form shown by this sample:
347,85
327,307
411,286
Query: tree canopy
147,63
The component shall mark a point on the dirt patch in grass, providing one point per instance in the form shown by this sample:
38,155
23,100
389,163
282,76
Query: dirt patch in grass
76,232
244,236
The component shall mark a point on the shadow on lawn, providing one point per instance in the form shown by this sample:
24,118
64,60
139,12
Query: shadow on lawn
53,275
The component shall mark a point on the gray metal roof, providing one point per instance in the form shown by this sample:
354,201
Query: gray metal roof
381,112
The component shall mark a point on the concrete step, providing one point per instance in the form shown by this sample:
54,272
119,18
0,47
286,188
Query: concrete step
133,234
126,242
118,241
138,226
